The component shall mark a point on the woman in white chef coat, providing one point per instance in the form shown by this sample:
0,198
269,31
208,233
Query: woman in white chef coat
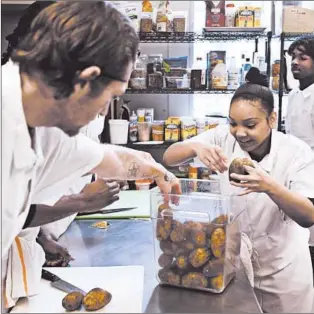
280,189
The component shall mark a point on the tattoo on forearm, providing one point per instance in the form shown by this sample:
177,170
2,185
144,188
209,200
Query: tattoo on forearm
133,170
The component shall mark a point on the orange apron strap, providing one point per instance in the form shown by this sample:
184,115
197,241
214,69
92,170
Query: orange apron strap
20,250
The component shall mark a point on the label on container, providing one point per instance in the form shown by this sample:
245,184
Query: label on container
133,131
233,80
219,81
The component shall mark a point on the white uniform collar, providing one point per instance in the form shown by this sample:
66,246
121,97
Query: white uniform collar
307,92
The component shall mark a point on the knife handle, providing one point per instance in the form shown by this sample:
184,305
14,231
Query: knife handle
45,274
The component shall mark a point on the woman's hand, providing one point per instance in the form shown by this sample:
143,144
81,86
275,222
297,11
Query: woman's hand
256,181
212,156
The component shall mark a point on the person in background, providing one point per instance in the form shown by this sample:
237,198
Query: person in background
279,189
300,110
75,58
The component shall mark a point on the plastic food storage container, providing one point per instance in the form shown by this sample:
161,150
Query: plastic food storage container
197,242
183,83
138,83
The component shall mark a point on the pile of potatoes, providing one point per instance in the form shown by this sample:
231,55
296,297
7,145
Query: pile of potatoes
192,252
94,300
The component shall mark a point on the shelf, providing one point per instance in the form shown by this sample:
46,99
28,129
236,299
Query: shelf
294,36
164,145
177,91
164,37
212,35
232,34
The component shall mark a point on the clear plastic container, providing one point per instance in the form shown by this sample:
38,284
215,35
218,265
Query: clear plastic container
183,83
138,83
197,242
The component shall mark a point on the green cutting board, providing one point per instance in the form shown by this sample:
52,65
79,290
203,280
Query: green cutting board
138,199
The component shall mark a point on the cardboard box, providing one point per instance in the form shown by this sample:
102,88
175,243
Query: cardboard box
298,20
215,13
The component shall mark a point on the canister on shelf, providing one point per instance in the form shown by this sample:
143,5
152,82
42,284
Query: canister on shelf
188,128
149,115
144,130
158,130
200,125
172,129
146,24
179,23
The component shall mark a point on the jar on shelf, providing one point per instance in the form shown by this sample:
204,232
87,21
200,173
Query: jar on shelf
154,66
158,130
146,24
179,23
139,74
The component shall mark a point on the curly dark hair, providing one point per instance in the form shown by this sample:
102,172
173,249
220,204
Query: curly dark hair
306,42
67,37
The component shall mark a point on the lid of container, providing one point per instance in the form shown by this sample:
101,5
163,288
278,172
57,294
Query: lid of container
277,62
118,121
158,55
159,122
230,5
179,16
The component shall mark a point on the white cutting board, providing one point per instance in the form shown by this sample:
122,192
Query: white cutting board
125,283
138,199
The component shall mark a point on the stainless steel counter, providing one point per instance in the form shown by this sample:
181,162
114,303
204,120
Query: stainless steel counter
130,242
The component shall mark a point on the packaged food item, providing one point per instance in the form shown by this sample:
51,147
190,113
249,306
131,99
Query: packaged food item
149,115
171,82
132,11
203,173
188,128
179,23
213,58
138,83
215,13
146,24
155,80
246,17
219,79
257,16
147,6
158,130
276,68
175,62
198,75
172,129
133,128
230,15
163,18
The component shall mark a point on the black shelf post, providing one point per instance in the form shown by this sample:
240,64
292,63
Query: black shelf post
281,80
268,54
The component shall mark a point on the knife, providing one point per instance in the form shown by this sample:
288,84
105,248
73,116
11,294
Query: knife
108,211
58,283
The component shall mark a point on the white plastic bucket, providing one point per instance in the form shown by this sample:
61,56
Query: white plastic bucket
118,131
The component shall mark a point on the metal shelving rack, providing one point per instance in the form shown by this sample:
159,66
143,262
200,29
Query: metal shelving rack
205,36
177,91
281,92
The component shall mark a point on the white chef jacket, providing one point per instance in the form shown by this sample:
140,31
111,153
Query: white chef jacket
57,228
300,121
32,175
300,114
280,258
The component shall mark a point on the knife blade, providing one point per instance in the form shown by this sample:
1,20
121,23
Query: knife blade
107,211
59,283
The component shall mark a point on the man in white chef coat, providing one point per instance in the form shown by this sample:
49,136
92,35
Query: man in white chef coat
300,111
75,59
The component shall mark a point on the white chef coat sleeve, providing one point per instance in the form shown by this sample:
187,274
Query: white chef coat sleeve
302,170
65,160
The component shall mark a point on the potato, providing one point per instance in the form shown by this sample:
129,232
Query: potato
199,257
163,229
217,242
178,232
96,299
165,260
182,262
72,301
217,282
194,280
236,166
